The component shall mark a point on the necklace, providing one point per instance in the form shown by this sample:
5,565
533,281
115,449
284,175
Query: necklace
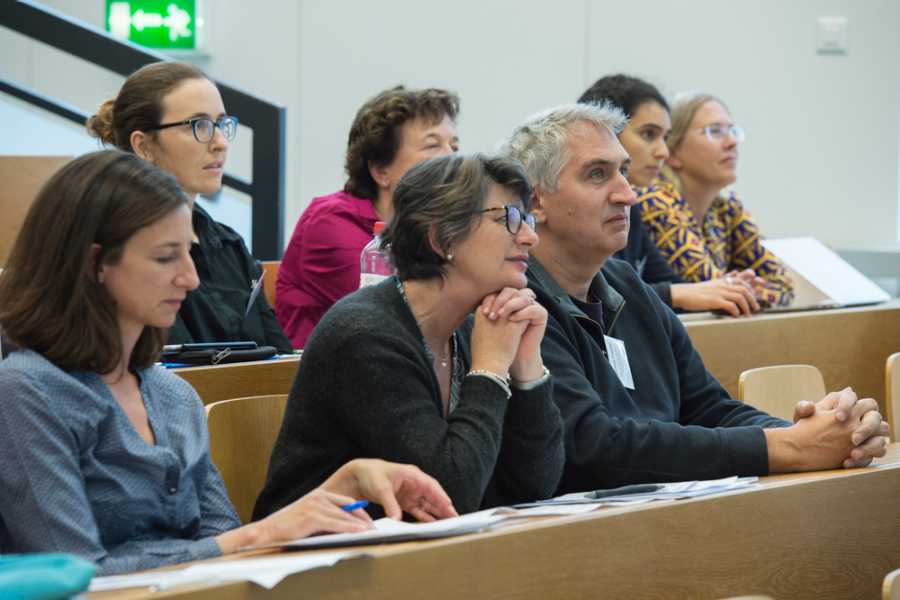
443,359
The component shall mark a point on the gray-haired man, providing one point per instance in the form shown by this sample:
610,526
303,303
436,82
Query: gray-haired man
637,401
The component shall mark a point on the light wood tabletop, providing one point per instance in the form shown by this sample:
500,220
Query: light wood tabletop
829,534
849,346
239,380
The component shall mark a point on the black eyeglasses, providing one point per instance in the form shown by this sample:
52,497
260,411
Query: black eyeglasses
514,217
204,128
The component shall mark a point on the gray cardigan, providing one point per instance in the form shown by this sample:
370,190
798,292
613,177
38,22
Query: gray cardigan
366,389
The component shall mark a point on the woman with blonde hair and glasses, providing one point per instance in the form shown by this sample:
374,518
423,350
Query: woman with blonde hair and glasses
701,227
644,138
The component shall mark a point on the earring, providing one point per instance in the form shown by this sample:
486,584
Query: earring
449,258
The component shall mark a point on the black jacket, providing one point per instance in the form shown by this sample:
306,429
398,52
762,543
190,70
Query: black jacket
214,312
642,254
366,389
678,424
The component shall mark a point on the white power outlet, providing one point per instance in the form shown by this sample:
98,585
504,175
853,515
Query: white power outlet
832,35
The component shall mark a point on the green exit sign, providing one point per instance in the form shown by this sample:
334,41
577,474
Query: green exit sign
161,24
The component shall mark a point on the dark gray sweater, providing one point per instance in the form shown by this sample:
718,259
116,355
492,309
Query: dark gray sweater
366,389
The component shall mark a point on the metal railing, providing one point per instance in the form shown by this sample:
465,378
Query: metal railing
93,45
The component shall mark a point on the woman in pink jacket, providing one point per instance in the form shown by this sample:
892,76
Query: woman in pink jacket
393,131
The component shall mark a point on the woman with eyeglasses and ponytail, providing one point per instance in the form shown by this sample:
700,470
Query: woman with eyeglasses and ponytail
172,115
699,225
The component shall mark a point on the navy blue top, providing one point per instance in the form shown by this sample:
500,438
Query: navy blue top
76,477
677,424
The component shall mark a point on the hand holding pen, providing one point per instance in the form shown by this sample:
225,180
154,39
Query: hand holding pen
354,505
397,488
335,507
319,511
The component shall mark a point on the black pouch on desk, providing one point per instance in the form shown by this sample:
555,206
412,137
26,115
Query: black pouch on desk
220,356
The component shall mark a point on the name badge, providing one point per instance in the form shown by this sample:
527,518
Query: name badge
618,358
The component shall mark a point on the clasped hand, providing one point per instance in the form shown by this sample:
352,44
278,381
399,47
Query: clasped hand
509,327
735,294
852,432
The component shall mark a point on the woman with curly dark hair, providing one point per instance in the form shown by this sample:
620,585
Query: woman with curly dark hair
393,131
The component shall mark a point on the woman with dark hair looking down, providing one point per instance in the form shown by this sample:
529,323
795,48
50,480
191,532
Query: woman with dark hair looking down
106,455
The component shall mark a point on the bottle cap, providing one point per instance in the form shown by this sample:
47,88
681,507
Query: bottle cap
379,227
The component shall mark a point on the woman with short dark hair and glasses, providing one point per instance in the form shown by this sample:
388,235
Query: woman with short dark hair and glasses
700,226
171,114
439,366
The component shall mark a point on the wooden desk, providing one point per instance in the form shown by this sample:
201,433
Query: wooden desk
849,346
821,535
237,380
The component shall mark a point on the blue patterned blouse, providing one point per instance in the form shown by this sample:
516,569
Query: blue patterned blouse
76,477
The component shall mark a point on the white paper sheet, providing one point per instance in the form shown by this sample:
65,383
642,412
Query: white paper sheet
666,491
559,510
827,271
389,530
264,571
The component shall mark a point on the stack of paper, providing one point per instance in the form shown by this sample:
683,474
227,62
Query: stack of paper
389,530
637,494
268,571
265,571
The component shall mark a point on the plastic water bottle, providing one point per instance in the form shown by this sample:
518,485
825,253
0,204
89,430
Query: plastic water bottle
374,263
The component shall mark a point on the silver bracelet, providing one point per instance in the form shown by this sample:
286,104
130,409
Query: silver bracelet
530,385
503,382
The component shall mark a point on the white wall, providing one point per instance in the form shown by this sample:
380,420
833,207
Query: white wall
822,151
821,154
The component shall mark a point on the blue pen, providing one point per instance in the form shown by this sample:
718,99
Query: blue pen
354,505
